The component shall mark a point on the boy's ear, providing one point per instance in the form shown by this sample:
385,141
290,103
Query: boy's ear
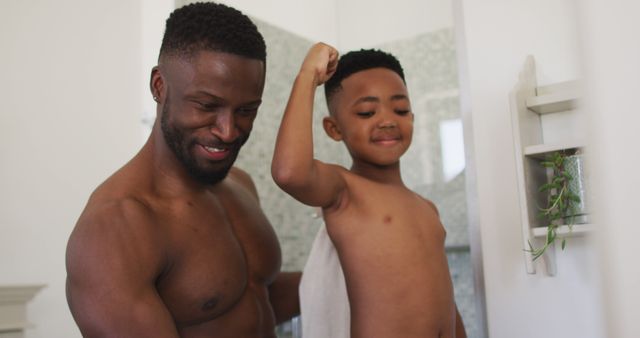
331,128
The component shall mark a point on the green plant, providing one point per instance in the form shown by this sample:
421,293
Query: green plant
561,202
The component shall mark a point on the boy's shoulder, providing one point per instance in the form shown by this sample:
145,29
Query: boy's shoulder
428,202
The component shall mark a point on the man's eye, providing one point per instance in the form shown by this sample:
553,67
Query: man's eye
402,112
365,113
208,106
247,111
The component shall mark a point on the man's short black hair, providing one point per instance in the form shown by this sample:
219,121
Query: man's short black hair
357,61
213,27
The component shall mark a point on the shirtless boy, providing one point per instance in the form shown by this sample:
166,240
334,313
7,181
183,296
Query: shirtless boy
389,240
174,244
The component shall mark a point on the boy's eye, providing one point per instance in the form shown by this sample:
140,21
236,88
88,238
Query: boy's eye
365,113
402,112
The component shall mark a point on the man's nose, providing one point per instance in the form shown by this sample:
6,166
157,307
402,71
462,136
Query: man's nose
224,127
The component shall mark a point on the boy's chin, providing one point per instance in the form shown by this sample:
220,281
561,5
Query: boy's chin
381,163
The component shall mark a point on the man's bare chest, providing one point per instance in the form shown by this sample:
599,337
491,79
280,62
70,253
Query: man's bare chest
217,248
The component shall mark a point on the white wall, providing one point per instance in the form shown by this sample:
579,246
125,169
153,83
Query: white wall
69,117
499,35
311,19
153,17
351,24
612,53
367,23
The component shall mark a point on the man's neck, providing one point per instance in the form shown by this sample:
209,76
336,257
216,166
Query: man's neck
169,174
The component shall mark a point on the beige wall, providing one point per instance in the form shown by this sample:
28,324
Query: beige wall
612,53
69,116
351,24
499,34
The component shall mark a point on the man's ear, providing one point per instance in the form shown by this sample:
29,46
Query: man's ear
156,84
331,128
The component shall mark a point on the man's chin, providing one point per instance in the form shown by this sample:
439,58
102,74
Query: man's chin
210,172
210,178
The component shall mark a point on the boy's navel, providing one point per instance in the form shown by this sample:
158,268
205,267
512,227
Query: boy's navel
387,219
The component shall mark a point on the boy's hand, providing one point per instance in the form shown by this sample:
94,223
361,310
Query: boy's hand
321,62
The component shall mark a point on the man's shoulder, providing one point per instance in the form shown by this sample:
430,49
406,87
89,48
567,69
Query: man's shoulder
240,177
117,219
122,231
114,208
123,195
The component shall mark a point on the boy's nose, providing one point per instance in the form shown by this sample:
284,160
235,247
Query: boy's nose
387,118
387,123
224,127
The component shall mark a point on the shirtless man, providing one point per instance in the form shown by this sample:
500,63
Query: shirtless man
174,244
389,240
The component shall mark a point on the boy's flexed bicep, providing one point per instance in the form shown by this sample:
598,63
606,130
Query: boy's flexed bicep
293,168
322,186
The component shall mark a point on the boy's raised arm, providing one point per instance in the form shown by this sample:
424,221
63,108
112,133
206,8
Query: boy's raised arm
293,168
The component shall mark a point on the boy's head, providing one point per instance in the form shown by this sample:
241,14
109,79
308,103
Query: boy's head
369,107
357,61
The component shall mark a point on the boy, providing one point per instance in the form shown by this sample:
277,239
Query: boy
389,240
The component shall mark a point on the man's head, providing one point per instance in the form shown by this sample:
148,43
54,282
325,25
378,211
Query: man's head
208,83
212,27
369,107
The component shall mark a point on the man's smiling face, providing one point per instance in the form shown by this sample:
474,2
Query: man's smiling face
212,99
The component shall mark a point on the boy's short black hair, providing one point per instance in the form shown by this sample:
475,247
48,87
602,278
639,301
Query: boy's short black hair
214,27
357,61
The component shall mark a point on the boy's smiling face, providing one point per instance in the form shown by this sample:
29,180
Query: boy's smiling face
372,114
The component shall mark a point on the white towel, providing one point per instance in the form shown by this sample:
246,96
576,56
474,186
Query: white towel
324,306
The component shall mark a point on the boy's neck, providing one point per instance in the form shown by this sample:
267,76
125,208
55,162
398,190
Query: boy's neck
388,174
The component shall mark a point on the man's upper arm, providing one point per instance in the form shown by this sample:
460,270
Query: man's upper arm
113,259
284,297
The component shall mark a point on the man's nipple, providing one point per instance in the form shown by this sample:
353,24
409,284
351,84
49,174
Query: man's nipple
211,303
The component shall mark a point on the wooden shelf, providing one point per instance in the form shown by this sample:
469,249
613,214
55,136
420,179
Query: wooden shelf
540,150
529,102
554,98
563,230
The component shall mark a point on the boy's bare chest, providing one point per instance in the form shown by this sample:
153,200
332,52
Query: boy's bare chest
386,204
394,215
218,249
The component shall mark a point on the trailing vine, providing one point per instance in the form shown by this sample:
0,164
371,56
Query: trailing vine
561,202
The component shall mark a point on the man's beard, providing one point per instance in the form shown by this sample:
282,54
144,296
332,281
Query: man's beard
175,139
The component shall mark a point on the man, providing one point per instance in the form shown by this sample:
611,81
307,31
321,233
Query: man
174,244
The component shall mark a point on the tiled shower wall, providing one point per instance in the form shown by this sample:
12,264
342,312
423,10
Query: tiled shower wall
430,70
